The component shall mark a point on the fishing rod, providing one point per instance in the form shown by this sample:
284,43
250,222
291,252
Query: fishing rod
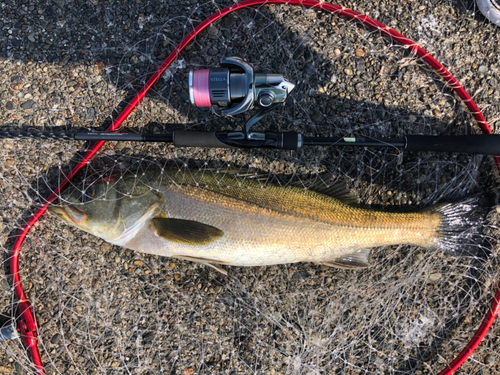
234,88
468,144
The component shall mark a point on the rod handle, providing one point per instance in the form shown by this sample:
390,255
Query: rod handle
486,144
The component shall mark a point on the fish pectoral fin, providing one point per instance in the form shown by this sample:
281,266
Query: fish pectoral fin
357,259
186,232
207,262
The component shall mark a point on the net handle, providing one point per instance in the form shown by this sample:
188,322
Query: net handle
26,321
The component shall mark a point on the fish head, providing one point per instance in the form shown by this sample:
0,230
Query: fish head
112,210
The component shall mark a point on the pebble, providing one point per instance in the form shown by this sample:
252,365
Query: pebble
213,51
59,3
55,339
360,52
490,359
360,65
228,21
435,276
310,69
334,78
91,114
213,30
9,105
5,284
28,105
317,117
366,77
301,275
106,247
119,146
483,69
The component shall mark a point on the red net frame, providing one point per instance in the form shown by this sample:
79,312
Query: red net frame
26,321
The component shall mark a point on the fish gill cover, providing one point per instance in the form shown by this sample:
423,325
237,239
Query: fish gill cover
103,309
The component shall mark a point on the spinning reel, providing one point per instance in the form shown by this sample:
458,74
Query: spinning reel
234,88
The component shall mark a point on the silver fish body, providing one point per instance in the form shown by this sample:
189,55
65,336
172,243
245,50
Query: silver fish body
223,219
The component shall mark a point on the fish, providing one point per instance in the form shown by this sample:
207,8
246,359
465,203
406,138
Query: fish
219,218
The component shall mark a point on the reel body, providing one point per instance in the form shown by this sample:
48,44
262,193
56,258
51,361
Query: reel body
235,88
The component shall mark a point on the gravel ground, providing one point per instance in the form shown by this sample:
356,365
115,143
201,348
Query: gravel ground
67,66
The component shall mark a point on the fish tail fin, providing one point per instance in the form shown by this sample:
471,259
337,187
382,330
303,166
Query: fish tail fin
461,228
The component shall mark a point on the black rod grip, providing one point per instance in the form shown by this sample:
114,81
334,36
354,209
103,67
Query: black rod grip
190,138
486,144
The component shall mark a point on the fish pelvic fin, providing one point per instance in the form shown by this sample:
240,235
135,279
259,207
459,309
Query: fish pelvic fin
461,226
186,232
354,260
207,262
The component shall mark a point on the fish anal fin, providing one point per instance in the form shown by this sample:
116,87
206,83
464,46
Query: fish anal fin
354,260
186,232
207,262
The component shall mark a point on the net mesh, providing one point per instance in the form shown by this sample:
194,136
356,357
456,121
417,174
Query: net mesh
103,309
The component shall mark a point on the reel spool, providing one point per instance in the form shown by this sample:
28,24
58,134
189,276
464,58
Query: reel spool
235,88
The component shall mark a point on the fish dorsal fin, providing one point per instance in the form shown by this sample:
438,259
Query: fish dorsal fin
321,185
357,259
186,232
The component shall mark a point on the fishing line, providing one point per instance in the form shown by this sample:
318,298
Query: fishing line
27,323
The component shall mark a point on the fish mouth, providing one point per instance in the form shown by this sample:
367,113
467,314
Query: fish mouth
71,215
